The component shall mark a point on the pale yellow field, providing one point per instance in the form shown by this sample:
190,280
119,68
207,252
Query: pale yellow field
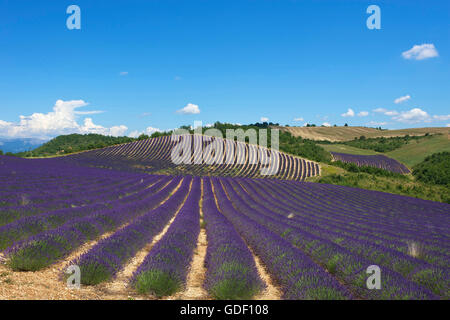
349,133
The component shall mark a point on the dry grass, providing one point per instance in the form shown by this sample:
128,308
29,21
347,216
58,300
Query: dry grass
349,133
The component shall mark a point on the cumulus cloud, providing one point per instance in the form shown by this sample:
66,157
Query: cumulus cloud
326,124
148,131
190,108
62,120
264,119
298,119
363,114
402,99
349,113
448,125
421,52
414,115
386,112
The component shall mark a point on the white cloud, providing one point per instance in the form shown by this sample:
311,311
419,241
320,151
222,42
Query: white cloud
88,112
442,118
264,119
391,113
151,130
448,125
298,119
148,131
62,120
380,110
402,99
413,116
124,73
349,113
363,114
326,124
421,52
386,112
189,109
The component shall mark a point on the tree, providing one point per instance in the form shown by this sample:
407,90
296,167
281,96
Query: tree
143,137
345,125
1,152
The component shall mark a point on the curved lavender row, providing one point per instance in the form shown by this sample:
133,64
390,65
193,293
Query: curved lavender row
26,227
55,193
231,271
47,176
434,277
298,275
430,276
392,231
153,155
48,247
433,243
378,161
107,196
109,255
346,265
87,192
165,268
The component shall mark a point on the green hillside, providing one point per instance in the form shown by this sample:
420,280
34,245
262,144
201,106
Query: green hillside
434,169
416,151
71,143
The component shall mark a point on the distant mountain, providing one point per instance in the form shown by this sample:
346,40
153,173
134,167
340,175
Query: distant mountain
19,145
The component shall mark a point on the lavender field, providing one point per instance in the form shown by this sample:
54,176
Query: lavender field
154,156
146,232
378,161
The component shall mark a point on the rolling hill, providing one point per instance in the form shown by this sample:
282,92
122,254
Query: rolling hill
154,156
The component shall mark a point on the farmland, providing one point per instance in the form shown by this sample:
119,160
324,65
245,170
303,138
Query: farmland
209,232
340,134
378,161
154,156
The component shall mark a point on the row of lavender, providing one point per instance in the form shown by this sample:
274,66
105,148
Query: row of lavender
49,246
154,155
378,161
414,258
315,240
31,187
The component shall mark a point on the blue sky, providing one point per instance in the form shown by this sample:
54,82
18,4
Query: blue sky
135,65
